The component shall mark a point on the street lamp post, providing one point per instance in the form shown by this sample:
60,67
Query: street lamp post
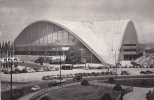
60,69
115,63
10,65
60,66
81,54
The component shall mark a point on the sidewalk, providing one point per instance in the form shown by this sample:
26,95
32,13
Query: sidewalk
137,94
95,82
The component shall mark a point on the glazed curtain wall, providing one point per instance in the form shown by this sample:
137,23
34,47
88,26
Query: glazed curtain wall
43,36
44,33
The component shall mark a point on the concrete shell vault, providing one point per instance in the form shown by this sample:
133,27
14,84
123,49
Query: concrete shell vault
103,38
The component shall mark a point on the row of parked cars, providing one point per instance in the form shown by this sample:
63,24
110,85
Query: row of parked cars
80,75
28,70
147,72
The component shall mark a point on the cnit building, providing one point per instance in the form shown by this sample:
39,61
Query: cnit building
106,42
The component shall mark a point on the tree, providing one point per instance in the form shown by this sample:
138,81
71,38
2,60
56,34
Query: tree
6,47
117,87
111,80
11,50
73,56
84,83
3,48
106,96
45,98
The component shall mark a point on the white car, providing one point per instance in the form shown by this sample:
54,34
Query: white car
35,88
40,70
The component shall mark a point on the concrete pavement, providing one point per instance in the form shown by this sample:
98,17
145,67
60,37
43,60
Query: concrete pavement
137,94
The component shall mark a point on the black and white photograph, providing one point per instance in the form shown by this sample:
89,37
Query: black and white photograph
77,49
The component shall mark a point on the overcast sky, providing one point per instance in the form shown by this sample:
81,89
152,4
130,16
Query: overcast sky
15,15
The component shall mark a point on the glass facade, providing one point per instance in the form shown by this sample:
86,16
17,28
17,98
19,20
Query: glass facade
44,38
45,34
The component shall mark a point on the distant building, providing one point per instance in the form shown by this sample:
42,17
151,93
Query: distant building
149,51
105,42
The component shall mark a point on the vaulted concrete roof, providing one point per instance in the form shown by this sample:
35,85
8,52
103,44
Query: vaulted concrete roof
102,38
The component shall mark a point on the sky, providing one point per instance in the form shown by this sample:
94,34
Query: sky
15,15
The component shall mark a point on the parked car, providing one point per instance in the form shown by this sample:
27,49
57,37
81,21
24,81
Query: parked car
99,74
69,75
45,78
32,70
26,70
51,77
77,77
53,69
142,72
113,73
87,68
7,71
94,74
40,70
103,73
84,74
107,73
35,88
148,72
125,73
39,60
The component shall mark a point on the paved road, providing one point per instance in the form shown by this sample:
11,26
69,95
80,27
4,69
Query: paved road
137,94
27,97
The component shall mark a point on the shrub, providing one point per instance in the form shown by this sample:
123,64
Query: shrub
117,88
144,83
84,82
45,98
111,80
106,96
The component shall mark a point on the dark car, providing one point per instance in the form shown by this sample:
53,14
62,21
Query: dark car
142,72
125,73
94,74
148,72
77,77
8,71
53,83
16,71
103,73
45,78
112,73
